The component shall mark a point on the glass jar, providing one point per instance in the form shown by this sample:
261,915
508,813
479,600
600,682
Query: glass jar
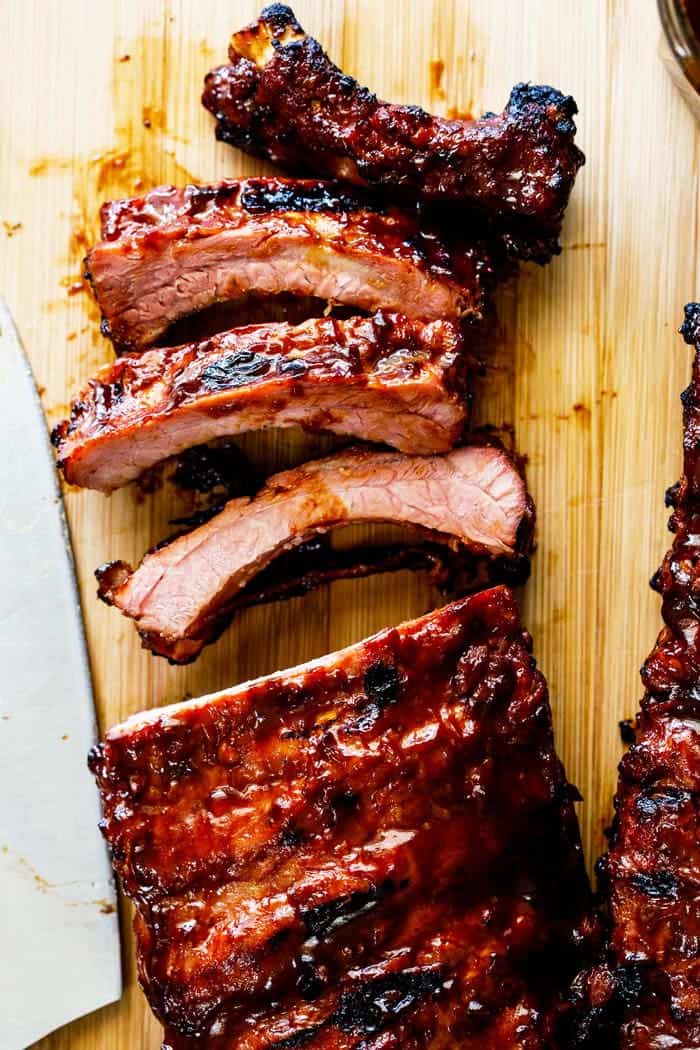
680,47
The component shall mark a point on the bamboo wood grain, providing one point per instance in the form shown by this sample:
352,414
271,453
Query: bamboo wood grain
101,99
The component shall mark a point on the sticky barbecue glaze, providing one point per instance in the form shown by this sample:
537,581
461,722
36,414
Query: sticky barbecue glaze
647,996
384,379
282,98
376,850
174,252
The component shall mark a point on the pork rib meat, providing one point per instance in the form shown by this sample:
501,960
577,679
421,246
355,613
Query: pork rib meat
646,996
384,379
282,98
175,252
181,594
377,849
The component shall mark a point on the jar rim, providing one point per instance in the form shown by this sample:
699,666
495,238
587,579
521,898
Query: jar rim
681,38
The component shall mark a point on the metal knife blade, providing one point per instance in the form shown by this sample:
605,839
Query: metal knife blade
58,918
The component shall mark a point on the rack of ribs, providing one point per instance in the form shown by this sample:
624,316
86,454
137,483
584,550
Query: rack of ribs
375,850
381,378
175,252
183,593
282,98
647,995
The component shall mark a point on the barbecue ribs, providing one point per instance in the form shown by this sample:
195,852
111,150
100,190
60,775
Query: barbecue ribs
376,850
316,563
174,252
648,995
182,594
384,379
282,98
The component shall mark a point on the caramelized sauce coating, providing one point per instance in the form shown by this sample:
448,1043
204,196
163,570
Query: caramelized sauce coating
378,849
646,996
282,98
175,252
382,378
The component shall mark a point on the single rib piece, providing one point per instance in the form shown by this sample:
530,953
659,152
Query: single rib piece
174,252
317,563
384,379
282,98
180,595
377,849
649,995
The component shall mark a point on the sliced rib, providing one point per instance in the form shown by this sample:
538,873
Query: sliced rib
180,594
174,252
282,98
317,563
376,849
383,379
648,995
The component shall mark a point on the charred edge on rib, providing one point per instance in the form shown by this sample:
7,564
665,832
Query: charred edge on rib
279,17
672,495
382,688
382,684
690,329
656,884
630,982
59,433
199,198
310,981
599,1028
628,734
651,804
268,196
110,577
372,1007
553,103
235,370
324,918
291,836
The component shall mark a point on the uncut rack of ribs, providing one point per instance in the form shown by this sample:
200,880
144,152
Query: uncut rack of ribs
647,997
375,850
282,98
382,378
182,594
175,252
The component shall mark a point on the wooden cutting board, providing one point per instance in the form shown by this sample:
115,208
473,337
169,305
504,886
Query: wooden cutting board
102,99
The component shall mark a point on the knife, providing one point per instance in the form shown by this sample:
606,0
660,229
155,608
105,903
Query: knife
58,914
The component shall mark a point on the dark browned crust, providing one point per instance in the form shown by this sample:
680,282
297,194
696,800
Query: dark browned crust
327,372
317,563
255,196
416,772
263,196
293,106
139,233
647,994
